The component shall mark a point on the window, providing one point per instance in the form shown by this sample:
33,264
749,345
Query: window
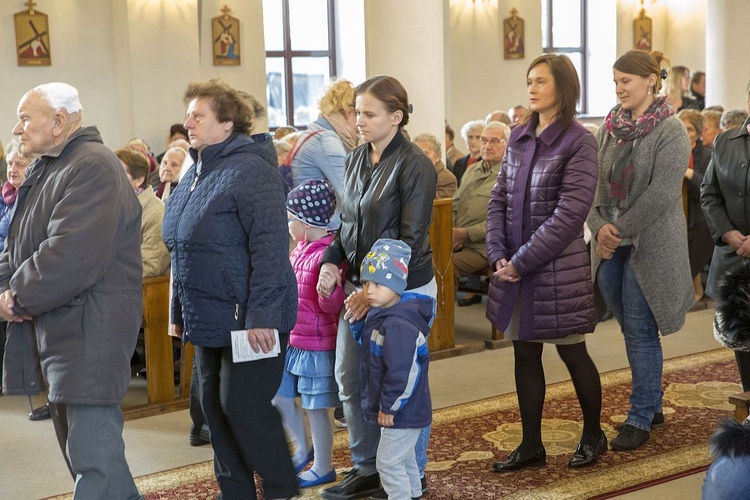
564,32
300,58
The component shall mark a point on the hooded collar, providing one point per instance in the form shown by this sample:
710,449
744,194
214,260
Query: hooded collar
232,144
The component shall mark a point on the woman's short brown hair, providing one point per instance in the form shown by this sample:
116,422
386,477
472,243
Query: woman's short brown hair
566,83
644,64
229,104
390,92
136,164
694,117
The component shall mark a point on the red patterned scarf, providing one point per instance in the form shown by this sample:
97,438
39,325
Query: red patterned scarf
621,126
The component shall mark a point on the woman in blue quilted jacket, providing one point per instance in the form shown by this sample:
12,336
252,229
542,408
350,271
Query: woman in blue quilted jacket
225,226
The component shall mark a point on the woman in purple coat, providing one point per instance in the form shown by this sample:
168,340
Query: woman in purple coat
541,290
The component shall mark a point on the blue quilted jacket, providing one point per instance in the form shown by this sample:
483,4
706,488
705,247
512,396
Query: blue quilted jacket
227,234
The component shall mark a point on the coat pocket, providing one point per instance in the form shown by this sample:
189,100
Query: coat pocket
60,331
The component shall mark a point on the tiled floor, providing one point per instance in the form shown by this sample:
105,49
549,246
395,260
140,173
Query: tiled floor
31,465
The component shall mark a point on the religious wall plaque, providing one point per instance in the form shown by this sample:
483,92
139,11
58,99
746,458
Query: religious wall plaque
226,39
32,37
513,36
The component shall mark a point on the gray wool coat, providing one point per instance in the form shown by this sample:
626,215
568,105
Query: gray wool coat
73,262
654,219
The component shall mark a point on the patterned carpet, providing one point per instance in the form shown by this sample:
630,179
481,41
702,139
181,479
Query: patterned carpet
467,438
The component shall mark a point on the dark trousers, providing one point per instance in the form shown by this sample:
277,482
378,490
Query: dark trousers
743,363
196,412
246,431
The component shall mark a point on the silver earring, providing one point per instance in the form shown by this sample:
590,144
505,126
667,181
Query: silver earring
649,91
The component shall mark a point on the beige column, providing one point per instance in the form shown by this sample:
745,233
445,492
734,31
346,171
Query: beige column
727,61
405,40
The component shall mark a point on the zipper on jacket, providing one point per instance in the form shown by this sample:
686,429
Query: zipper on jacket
236,311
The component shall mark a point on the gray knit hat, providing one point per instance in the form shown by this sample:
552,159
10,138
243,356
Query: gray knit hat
387,263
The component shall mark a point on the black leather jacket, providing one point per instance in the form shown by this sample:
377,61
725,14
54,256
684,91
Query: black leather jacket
725,198
726,184
392,199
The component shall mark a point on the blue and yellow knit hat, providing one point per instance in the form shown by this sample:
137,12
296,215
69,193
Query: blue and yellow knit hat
387,263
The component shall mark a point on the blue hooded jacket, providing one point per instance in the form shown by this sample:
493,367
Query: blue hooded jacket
395,361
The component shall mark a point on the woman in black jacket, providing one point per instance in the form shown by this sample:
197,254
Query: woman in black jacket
389,187
725,201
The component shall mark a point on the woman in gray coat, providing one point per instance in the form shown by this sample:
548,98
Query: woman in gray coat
728,216
639,249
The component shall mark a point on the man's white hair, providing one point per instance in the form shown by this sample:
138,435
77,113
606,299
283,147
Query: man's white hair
60,96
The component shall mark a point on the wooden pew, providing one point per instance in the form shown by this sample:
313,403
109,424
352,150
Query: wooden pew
159,359
442,340
741,404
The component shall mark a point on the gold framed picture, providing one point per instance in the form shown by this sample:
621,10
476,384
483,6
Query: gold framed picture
513,36
32,38
642,32
226,39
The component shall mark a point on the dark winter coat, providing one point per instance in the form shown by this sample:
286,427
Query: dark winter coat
395,361
392,199
535,220
73,262
724,197
227,233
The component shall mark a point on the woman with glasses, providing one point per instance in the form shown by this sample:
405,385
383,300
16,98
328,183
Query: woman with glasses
470,207
541,290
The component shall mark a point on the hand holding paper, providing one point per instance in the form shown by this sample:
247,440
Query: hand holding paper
255,343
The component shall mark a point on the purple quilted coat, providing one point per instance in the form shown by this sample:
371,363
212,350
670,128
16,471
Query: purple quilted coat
535,219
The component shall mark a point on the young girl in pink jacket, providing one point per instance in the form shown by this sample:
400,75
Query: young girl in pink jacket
312,343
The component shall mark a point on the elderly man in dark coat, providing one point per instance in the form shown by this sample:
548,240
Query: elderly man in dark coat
70,277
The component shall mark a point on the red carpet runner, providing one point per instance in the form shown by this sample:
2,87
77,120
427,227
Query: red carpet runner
467,438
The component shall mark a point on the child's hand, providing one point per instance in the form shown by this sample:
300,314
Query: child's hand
385,420
328,279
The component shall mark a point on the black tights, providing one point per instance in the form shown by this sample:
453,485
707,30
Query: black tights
531,388
743,364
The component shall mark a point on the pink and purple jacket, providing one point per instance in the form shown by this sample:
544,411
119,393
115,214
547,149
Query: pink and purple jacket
317,318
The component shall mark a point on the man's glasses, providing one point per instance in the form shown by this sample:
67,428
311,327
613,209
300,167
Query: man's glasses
494,141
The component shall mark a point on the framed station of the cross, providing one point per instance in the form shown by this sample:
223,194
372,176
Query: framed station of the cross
32,38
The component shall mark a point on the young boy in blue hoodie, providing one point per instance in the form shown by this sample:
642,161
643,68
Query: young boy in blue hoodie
395,390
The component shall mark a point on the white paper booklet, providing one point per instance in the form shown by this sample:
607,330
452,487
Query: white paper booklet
241,350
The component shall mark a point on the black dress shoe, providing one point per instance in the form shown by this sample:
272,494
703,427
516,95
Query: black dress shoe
515,462
630,438
200,439
586,455
354,485
41,413
656,422
474,299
